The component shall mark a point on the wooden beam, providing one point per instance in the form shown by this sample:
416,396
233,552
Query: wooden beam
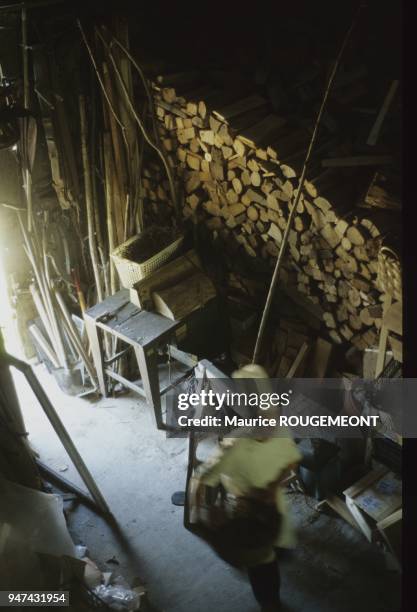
357,160
383,337
320,358
374,133
297,361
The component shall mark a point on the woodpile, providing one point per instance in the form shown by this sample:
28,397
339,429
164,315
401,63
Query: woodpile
238,165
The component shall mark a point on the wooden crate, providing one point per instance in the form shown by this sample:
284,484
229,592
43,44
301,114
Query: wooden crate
373,498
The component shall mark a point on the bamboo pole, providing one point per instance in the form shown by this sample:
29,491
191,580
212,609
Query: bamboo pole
97,225
109,207
25,59
137,213
119,166
88,200
75,338
26,103
44,344
120,153
44,293
52,305
42,313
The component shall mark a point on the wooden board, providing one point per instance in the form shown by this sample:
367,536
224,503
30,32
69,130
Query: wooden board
393,318
381,498
186,296
320,358
365,481
373,136
165,276
397,348
298,360
358,160
383,337
340,507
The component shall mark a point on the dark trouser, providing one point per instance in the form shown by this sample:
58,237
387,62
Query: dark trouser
265,581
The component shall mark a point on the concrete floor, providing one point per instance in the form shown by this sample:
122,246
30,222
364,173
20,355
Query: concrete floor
334,568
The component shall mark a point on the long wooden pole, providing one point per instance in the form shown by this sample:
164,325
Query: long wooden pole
109,206
74,336
293,210
58,426
88,200
39,273
26,103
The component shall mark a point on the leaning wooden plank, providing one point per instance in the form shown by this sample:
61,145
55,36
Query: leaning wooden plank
360,519
383,337
397,348
393,318
44,344
320,358
187,359
185,297
357,160
297,361
340,507
373,136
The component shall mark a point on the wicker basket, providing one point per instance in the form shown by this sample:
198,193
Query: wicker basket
130,272
389,273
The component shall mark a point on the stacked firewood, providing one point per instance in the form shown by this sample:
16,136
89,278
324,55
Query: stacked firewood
234,164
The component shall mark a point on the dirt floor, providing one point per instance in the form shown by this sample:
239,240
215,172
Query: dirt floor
333,569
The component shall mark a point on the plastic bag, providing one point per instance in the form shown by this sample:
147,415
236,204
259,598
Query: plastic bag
118,597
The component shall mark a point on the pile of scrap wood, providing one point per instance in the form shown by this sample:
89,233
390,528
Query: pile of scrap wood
237,165
58,336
